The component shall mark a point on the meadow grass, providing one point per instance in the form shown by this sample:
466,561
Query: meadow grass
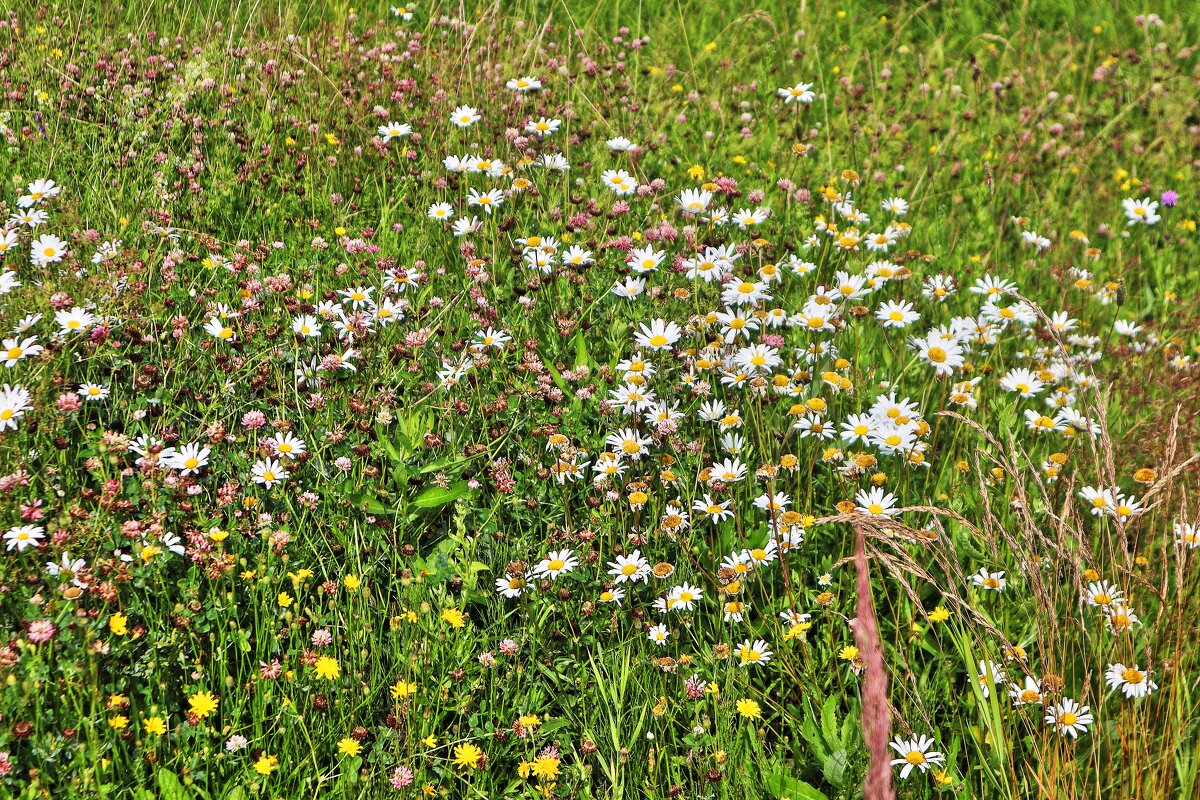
325,443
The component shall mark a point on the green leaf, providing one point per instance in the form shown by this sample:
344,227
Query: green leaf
559,381
169,787
581,353
849,731
808,730
390,449
472,573
581,360
786,787
400,476
436,496
829,725
441,465
834,767
553,725
371,504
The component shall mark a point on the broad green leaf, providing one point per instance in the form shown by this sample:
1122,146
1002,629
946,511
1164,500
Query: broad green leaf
581,353
559,381
786,787
829,725
436,496
169,787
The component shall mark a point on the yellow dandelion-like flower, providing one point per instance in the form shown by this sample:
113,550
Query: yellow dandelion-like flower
749,709
545,768
202,704
328,668
468,756
402,689
266,764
